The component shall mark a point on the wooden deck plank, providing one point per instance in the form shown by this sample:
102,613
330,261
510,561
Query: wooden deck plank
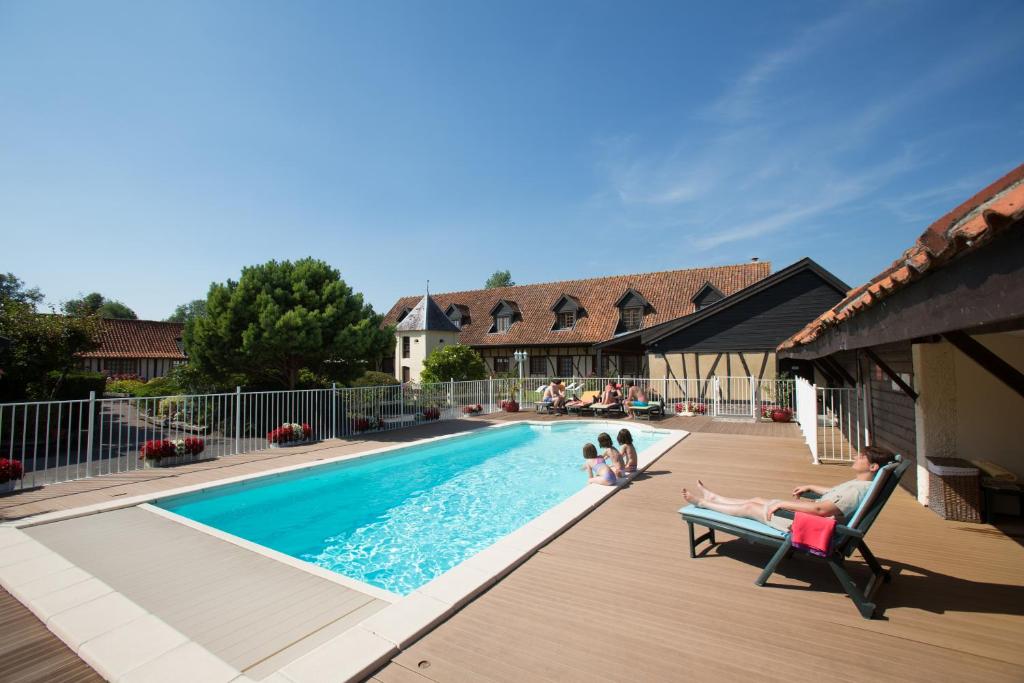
29,653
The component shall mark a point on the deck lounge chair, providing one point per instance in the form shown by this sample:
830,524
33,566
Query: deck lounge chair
587,400
651,410
845,539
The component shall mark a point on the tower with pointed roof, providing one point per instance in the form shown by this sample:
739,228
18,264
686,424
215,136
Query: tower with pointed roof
424,328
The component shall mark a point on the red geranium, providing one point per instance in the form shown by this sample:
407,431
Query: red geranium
360,424
10,470
155,449
306,430
194,445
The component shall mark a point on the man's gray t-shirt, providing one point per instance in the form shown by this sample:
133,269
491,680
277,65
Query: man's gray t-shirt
847,496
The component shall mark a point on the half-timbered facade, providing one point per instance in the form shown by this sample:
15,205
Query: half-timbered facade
600,326
146,348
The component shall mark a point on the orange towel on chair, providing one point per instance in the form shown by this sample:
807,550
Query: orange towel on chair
812,533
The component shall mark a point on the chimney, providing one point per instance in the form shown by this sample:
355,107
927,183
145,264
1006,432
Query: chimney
754,259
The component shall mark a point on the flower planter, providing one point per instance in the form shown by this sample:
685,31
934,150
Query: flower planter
781,416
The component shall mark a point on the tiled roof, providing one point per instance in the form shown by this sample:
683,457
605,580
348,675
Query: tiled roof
964,229
670,294
138,339
427,316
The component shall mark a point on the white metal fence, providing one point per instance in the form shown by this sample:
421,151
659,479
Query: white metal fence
841,423
66,440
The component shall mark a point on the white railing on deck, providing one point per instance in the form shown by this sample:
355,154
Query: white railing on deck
67,440
840,423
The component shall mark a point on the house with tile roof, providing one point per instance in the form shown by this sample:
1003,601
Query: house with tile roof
934,344
593,327
147,348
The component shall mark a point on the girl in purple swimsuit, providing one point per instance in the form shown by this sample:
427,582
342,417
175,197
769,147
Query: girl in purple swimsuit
598,472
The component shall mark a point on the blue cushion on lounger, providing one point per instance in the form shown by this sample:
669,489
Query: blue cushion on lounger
741,522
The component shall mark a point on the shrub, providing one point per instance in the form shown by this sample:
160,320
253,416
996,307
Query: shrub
125,386
118,377
10,470
159,386
74,385
431,413
371,378
453,361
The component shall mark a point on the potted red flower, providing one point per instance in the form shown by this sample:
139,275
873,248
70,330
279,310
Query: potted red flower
431,413
472,410
10,473
782,415
510,406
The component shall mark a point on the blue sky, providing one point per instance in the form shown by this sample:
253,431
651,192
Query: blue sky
148,149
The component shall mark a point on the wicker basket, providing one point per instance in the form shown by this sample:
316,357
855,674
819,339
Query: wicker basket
954,489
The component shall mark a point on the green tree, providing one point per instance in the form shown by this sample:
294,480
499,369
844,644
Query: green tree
281,318
185,312
42,349
95,303
499,278
13,289
456,362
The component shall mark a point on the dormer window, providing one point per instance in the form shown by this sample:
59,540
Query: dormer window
632,318
458,314
402,313
632,307
708,294
504,314
567,311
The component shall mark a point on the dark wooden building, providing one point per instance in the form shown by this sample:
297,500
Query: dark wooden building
934,344
736,335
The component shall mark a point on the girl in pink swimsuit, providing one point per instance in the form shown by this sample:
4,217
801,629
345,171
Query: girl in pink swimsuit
598,472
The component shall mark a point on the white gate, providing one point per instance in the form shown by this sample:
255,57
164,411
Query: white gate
733,397
840,423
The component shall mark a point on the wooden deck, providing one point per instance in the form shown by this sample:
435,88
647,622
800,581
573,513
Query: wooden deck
617,598
29,653
621,580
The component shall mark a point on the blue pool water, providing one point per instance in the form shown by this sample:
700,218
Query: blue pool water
399,519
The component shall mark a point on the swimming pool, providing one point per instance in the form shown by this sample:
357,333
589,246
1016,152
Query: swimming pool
398,519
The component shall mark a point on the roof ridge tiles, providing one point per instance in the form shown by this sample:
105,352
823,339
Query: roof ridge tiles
601,277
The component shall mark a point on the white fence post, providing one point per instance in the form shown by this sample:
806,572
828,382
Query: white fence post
92,420
334,410
238,420
807,414
490,395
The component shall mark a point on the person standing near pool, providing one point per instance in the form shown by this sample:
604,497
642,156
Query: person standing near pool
596,468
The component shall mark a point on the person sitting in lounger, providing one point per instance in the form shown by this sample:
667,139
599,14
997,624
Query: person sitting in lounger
610,394
554,395
598,472
839,501
636,398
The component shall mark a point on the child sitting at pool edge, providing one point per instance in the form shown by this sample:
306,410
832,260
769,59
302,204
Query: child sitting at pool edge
610,454
629,457
597,470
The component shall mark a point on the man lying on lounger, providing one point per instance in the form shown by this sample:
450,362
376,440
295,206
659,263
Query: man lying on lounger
839,501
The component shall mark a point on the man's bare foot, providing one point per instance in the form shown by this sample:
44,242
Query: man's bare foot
692,499
705,494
